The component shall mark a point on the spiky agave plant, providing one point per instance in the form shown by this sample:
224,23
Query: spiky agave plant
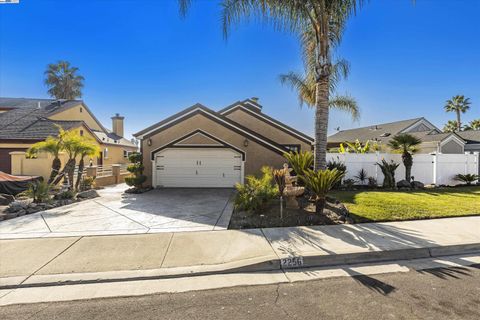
468,178
320,183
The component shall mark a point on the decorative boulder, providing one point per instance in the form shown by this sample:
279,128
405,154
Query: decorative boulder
403,184
6,199
418,185
88,194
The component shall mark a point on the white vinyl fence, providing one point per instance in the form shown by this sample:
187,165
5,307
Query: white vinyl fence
436,169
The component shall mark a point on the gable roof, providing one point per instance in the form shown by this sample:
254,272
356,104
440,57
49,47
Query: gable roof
248,107
214,116
470,136
377,132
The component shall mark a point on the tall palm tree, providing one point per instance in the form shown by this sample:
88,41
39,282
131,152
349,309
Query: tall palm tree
473,125
451,126
87,148
52,146
458,104
406,144
298,17
63,81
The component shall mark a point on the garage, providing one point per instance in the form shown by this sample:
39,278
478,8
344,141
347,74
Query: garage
199,167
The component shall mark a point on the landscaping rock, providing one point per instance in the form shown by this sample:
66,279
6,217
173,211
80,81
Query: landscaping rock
88,194
21,213
418,185
6,199
403,184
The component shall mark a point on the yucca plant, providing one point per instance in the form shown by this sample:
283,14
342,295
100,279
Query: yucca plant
362,176
407,145
320,183
468,178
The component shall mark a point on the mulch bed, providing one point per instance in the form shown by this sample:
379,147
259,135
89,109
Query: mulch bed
334,213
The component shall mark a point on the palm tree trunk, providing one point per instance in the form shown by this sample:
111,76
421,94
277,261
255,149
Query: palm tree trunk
67,171
408,163
459,124
321,122
81,166
319,205
56,165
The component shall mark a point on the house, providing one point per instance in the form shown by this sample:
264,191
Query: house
200,147
433,139
24,122
472,139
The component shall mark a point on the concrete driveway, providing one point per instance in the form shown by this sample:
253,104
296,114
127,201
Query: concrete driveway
114,212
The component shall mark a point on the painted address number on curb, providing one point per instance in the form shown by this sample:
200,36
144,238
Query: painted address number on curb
291,262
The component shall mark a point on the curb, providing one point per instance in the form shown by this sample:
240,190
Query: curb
254,265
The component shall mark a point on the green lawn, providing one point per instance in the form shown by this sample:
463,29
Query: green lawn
407,205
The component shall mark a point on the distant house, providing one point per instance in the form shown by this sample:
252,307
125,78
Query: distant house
433,139
472,140
26,121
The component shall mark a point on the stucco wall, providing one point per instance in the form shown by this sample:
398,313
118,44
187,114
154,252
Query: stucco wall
264,128
77,113
256,154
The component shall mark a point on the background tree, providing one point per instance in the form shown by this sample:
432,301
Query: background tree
451,126
406,144
63,81
298,17
473,125
458,104
87,148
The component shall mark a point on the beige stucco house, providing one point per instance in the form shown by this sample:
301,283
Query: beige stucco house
24,122
433,139
199,147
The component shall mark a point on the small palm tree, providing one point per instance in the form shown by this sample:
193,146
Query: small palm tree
320,183
458,104
406,144
87,148
63,81
473,125
52,146
73,146
451,126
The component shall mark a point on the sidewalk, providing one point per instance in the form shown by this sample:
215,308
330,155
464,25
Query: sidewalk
91,259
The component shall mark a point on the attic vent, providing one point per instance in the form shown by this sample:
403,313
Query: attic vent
386,134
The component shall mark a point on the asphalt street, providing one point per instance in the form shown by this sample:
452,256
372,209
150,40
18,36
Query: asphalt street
447,293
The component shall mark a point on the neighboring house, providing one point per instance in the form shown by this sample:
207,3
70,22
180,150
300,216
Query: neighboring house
26,121
433,139
472,139
199,147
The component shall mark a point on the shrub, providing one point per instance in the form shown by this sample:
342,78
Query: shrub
372,182
300,161
136,167
348,183
256,193
320,182
87,183
340,166
39,191
65,195
468,178
361,176
388,170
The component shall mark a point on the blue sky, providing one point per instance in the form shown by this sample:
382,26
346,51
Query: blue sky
142,60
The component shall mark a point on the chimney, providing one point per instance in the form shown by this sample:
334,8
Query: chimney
117,124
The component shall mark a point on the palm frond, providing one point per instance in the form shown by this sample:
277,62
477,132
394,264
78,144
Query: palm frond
346,103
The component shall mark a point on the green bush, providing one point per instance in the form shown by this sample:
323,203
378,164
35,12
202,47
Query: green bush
300,161
256,193
466,178
320,183
137,179
65,195
87,183
388,170
38,191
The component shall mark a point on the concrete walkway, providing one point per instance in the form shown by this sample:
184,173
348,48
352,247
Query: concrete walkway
114,212
50,261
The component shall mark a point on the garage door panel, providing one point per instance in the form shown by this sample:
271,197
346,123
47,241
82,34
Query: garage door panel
209,167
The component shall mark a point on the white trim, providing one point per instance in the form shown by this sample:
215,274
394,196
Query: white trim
216,117
270,121
421,121
253,105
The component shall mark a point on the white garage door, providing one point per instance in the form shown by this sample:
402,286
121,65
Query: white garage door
198,167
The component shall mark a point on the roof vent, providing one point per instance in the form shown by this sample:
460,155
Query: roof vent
386,134
254,99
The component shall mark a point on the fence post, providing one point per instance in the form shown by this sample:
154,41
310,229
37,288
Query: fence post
116,172
92,171
377,153
477,161
434,161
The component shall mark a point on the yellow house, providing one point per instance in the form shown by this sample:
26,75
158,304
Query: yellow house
26,121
